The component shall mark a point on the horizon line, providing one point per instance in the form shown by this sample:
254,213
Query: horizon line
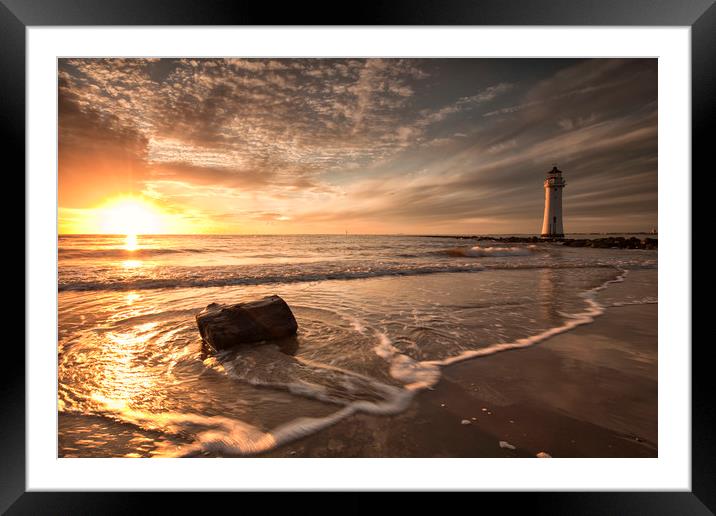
360,234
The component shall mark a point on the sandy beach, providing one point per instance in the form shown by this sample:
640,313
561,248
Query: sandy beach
591,392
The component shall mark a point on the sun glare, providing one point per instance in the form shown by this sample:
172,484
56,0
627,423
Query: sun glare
130,242
131,216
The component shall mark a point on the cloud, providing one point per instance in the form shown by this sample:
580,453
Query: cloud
609,157
323,114
418,143
97,155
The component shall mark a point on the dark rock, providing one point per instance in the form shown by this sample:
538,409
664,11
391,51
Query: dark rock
225,326
603,243
581,242
650,243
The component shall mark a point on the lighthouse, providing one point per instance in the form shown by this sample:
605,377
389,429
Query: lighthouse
552,222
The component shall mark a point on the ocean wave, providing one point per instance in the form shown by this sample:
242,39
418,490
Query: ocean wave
118,252
205,277
481,252
227,278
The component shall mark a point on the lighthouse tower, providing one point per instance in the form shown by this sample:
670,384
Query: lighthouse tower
552,222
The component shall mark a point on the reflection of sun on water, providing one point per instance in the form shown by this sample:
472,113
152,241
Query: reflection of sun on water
132,297
124,374
131,245
130,242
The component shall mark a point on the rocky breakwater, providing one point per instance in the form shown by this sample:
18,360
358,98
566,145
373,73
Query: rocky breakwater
612,243
616,242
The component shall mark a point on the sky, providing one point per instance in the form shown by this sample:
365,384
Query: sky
414,146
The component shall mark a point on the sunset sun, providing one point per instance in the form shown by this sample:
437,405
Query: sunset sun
131,216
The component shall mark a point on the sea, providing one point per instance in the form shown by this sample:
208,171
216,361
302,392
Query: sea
379,319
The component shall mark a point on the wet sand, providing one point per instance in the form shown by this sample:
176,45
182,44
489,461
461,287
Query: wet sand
591,392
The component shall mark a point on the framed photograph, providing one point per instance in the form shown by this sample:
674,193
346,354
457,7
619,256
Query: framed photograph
443,248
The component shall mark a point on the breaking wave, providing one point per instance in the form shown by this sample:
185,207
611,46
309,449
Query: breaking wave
204,277
227,276
121,253
479,252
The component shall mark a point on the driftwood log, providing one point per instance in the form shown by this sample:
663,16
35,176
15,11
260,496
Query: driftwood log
225,326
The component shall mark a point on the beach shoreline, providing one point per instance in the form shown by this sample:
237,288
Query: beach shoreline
583,393
600,404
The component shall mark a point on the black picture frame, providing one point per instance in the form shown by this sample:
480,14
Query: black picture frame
17,15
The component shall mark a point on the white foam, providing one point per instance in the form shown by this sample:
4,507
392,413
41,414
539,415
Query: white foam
643,301
230,436
415,375
234,437
315,380
356,325
478,251
594,309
